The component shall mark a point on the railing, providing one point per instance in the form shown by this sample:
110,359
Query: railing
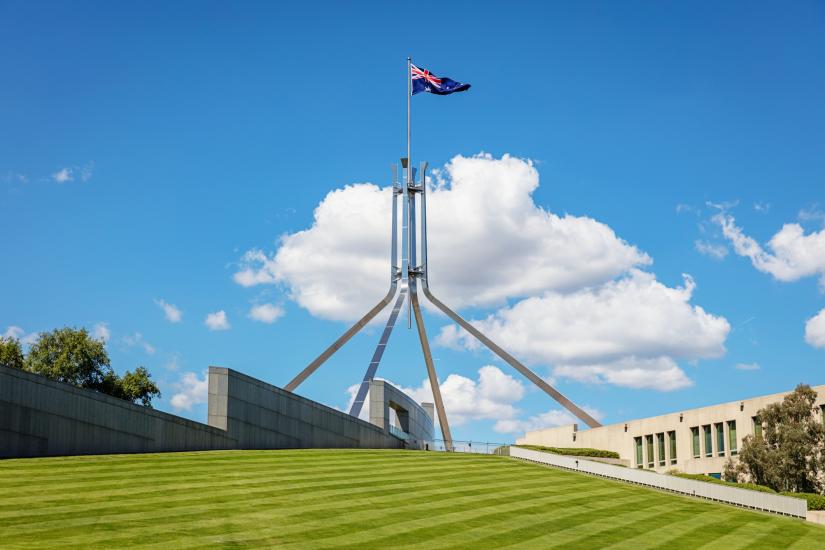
475,447
756,500
399,433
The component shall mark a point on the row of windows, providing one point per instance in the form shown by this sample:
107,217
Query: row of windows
665,449
713,439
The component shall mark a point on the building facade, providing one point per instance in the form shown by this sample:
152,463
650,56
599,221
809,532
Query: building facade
696,441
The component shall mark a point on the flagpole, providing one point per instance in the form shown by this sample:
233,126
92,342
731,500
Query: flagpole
409,178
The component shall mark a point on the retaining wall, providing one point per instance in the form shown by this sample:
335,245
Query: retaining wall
746,498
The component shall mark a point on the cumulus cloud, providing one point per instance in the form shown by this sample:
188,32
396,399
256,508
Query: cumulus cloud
192,390
790,254
266,313
217,321
14,331
137,340
715,251
101,332
489,242
171,311
815,330
626,332
491,396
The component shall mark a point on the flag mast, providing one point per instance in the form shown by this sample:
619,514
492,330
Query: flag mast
406,265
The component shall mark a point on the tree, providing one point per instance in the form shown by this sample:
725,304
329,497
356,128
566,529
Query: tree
72,356
11,353
790,455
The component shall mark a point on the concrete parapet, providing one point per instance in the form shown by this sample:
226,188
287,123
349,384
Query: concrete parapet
414,419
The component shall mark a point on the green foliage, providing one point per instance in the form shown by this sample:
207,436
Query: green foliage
72,356
815,502
711,479
596,453
11,353
790,455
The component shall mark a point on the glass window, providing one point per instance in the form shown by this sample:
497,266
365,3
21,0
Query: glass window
694,432
720,439
757,426
672,440
640,461
649,441
708,440
732,436
660,443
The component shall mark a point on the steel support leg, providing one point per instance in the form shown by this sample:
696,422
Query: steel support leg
530,375
358,403
428,359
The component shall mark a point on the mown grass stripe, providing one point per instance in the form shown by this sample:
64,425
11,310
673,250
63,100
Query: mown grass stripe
351,498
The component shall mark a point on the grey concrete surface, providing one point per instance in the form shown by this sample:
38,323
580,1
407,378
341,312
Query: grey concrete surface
262,416
40,417
414,419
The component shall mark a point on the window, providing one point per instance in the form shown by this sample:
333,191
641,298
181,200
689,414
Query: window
732,436
660,443
671,436
640,461
720,439
757,426
649,441
708,440
823,412
694,432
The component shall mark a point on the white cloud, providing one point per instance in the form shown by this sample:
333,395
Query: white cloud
627,332
137,340
192,390
746,366
815,330
217,321
812,213
763,207
549,419
86,171
791,254
63,175
101,332
266,313
715,251
491,396
171,311
489,241
13,331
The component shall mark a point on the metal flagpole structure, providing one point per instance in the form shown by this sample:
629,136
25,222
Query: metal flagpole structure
410,272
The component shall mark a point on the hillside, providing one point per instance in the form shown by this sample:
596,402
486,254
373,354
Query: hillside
358,499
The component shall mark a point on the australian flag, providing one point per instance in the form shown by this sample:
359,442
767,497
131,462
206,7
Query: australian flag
425,81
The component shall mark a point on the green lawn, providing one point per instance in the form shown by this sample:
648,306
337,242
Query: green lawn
358,499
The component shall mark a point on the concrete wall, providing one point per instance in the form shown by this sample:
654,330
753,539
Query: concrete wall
621,437
262,416
413,418
39,417
756,500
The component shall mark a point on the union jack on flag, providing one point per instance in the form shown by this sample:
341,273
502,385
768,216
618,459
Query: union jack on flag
425,81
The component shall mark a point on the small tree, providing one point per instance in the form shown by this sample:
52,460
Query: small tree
74,357
11,353
790,455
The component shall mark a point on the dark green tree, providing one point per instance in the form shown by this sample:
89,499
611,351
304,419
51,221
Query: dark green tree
72,356
11,353
790,454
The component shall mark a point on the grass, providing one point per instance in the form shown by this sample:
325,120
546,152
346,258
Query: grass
572,451
357,499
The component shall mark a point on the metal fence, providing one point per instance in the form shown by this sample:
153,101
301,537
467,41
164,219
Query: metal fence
475,447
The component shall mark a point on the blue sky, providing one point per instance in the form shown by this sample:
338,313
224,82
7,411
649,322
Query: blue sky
186,135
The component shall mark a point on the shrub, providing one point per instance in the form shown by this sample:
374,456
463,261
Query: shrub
595,453
815,501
